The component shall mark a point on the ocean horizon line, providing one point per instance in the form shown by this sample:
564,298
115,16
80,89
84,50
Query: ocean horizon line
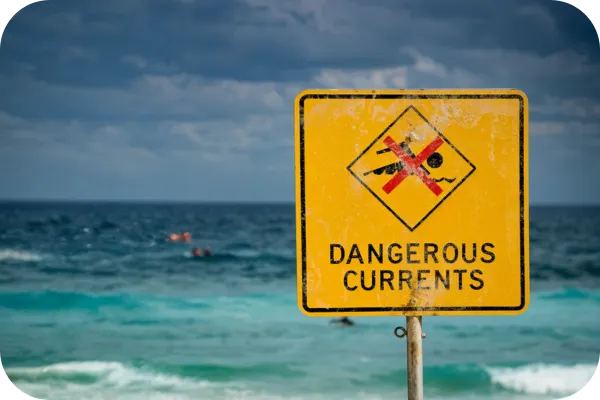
8,201
145,201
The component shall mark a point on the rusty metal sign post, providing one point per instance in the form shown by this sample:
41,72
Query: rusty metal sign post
414,355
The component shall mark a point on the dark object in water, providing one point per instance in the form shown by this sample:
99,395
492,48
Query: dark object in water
196,252
344,321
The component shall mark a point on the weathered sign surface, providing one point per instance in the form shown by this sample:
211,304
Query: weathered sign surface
412,202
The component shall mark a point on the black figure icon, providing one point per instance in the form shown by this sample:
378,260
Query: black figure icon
433,161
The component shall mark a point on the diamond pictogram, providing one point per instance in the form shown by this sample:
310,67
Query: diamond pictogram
411,168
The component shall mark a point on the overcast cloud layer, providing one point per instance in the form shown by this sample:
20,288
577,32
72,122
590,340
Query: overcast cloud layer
193,100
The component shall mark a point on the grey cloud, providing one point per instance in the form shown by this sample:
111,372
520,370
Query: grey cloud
568,129
281,40
124,87
150,65
582,108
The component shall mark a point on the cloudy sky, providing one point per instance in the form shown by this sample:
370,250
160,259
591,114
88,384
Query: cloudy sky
193,99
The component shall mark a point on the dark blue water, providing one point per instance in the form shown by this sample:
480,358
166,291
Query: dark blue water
95,303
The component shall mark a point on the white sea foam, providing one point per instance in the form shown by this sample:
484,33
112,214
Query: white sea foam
111,380
108,374
543,379
18,255
116,380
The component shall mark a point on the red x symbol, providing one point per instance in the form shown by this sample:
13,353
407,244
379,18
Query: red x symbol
412,166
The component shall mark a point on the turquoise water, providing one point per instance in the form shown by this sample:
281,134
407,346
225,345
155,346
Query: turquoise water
96,304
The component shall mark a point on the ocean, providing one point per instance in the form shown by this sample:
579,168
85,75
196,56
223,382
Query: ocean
95,303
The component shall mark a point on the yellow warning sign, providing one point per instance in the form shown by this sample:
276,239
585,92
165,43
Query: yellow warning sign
412,202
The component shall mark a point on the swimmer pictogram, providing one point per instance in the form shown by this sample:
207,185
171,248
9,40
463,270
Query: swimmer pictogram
411,168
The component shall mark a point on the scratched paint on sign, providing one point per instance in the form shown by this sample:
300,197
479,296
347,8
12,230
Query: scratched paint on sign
412,202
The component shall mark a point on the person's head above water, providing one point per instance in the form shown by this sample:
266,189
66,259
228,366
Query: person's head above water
207,252
196,252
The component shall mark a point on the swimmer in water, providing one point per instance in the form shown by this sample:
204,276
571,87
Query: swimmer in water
344,321
196,252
